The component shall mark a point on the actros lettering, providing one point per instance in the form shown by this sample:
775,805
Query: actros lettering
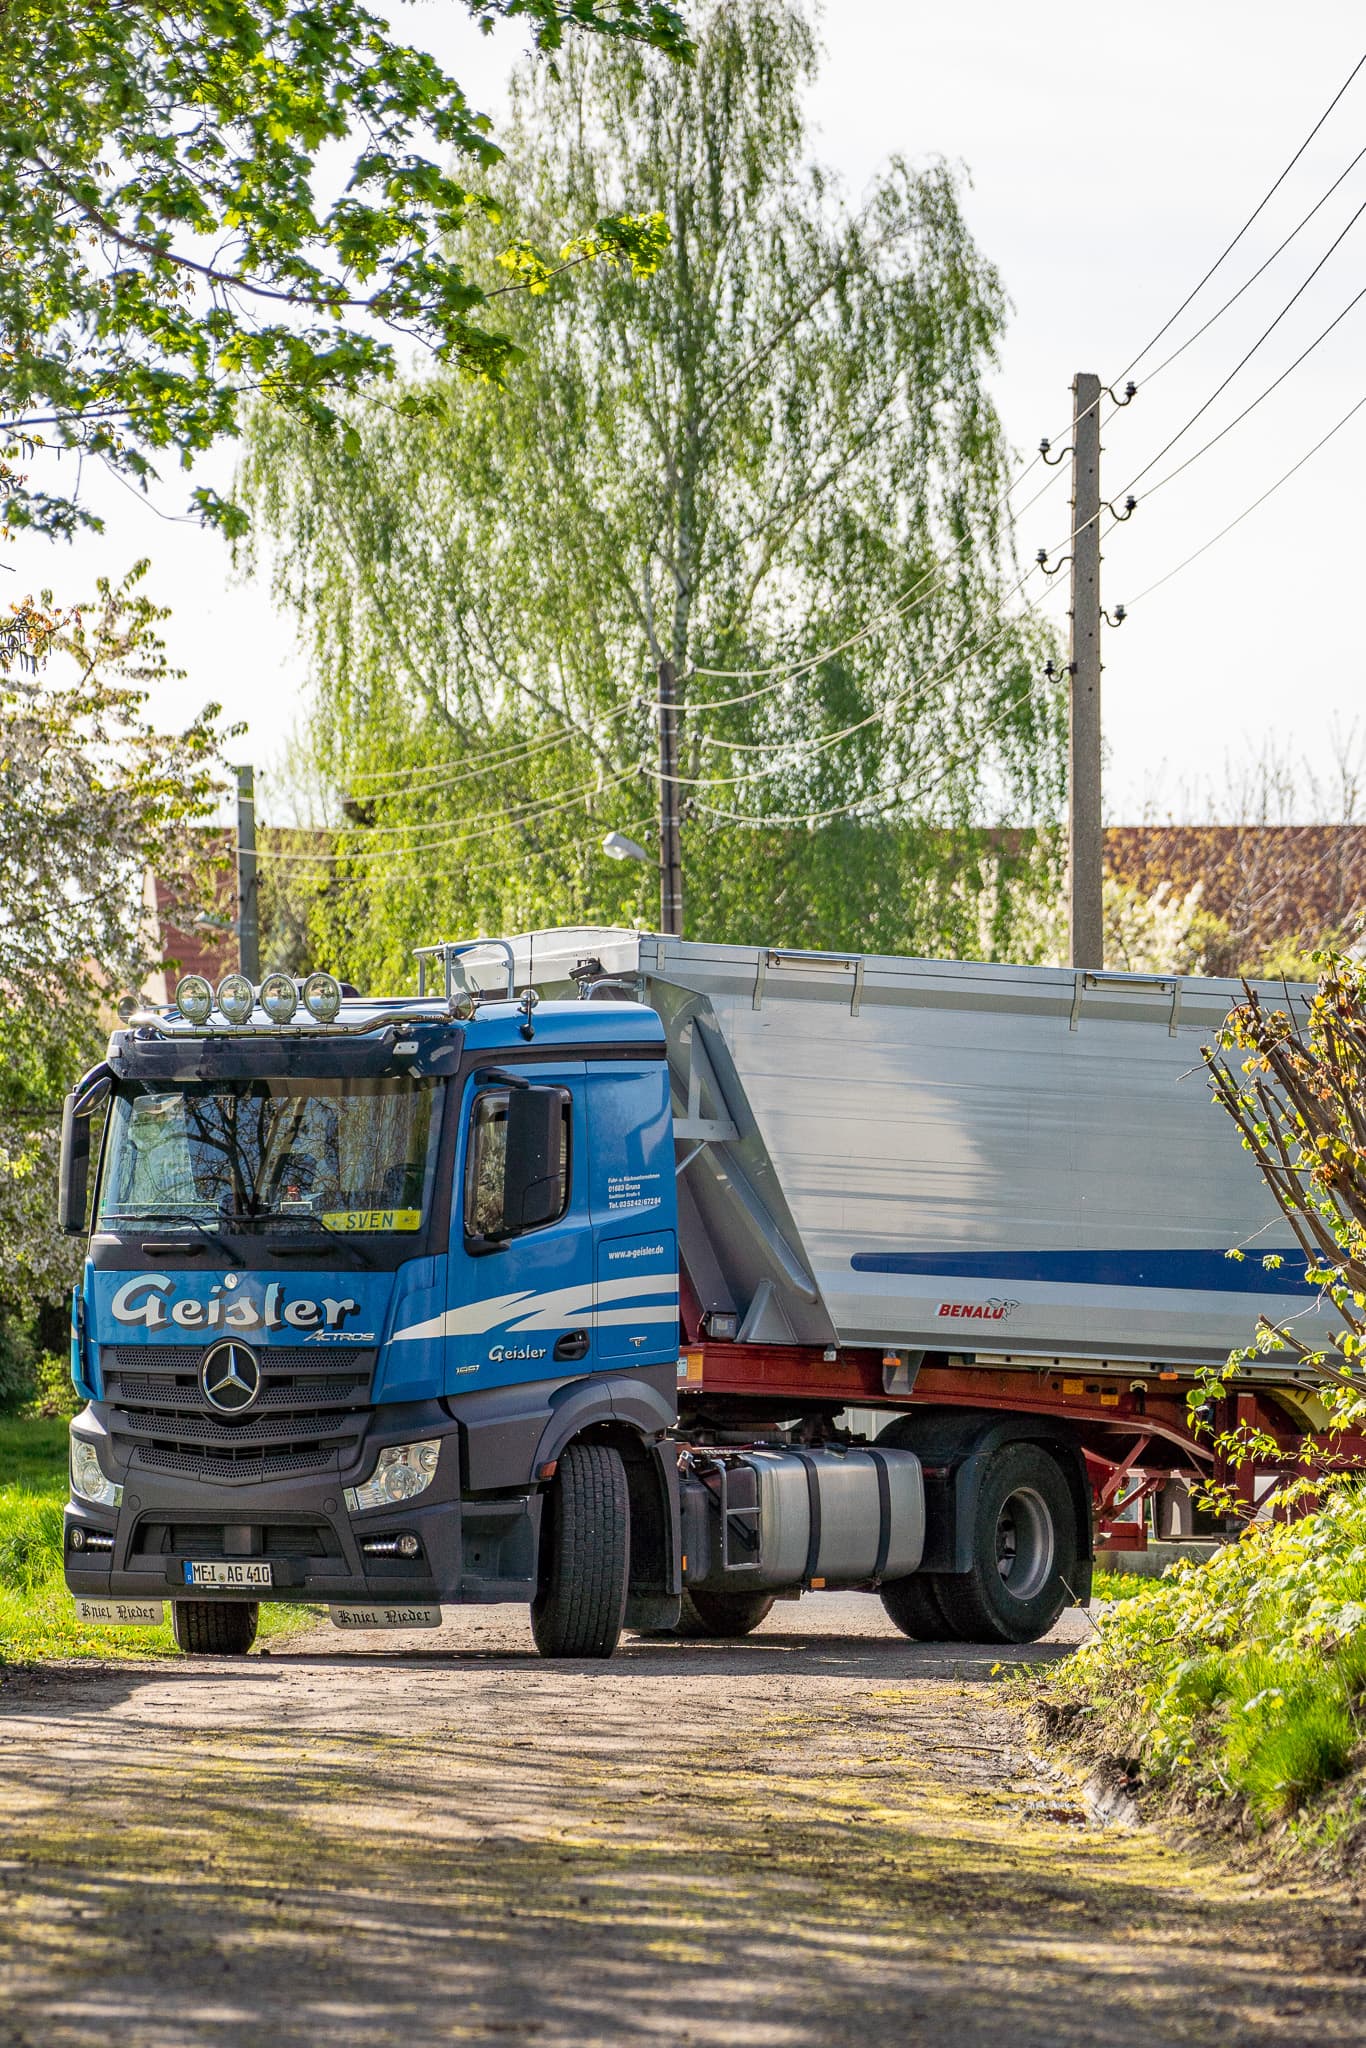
147,1300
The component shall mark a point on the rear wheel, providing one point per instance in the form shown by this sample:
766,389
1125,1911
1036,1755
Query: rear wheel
585,1555
214,1628
1024,1545
914,1605
722,1615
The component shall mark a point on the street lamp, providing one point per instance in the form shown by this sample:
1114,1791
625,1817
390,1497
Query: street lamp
618,847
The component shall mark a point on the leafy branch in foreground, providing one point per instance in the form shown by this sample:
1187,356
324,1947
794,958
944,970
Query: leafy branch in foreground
92,798
174,241
1299,1102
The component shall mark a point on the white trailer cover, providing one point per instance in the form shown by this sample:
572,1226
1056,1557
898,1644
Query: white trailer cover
956,1156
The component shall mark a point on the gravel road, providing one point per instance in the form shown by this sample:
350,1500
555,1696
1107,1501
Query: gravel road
825,1835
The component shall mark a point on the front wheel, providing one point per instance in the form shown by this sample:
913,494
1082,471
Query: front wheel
214,1628
1024,1551
585,1556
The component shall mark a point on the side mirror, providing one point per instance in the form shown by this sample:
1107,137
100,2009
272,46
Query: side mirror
533,1172
73,1183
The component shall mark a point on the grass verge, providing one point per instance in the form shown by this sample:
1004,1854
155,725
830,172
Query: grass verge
37,1614
1238,1685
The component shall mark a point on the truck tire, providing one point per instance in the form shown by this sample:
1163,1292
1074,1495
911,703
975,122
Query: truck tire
914,1605
1024,1543
585,1556
723,1616
214,1628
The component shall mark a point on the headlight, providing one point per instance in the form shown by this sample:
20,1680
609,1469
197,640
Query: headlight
87,1480
322,997
236,998
279,997
403,1471
194,998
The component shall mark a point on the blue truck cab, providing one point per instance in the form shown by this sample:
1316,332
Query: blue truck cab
380,1310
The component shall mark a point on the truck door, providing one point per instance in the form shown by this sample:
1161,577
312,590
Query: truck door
634,1212
521,1265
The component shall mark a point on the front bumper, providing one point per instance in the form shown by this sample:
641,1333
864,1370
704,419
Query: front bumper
475,1550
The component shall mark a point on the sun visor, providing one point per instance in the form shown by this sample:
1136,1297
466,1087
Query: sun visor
267,1056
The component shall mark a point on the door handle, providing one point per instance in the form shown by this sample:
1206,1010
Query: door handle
573,1345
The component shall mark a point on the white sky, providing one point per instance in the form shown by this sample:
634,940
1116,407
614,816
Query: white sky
1113,152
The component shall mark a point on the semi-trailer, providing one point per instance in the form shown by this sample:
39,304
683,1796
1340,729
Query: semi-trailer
645,1281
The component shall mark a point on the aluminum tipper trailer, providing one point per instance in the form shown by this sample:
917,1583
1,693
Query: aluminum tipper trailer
644,1282
942,1155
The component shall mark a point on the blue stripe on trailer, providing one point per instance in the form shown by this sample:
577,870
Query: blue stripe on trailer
1206,1272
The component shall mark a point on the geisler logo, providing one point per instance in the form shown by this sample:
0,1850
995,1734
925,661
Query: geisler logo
230,1377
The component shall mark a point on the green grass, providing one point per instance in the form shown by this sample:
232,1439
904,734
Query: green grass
33,1454
1243,1678
37,1614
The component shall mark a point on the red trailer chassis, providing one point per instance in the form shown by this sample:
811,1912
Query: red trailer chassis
1135,1427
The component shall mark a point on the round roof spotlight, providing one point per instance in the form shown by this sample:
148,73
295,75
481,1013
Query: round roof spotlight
322,997
236,998
279,997
194,998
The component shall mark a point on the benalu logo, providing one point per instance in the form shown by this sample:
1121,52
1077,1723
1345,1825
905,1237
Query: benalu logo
230,1377
146,1300
993,1311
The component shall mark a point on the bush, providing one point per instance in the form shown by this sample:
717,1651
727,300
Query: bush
1243,1677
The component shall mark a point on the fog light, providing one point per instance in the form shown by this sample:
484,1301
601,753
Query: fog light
87,1478
236,998
78,1539
322,997
408,1546
194,998
279,997
403,1470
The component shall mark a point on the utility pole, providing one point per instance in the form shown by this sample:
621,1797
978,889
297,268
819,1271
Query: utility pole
670,842
1085,846
248,912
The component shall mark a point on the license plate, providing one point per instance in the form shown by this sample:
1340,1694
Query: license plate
122,1613
385,1617
221,1572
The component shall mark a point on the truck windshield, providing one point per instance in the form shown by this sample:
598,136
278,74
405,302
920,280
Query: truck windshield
346,1154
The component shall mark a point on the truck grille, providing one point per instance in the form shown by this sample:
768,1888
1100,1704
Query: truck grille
308,1416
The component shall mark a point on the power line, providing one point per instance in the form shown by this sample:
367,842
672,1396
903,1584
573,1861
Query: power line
1262,203
1274,385
1260,271
1248,510
1246,359
460,838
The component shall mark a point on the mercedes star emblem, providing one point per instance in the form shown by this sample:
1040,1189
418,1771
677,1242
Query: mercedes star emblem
230,1377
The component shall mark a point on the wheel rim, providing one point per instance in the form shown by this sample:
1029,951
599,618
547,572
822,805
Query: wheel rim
1024,1543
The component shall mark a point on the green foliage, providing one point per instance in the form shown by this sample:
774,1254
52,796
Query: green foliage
37,1616
171,242
1297,1102
92,797
780,443
1244,1676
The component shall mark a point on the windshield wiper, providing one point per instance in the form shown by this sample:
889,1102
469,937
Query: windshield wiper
309,1223
211,1237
